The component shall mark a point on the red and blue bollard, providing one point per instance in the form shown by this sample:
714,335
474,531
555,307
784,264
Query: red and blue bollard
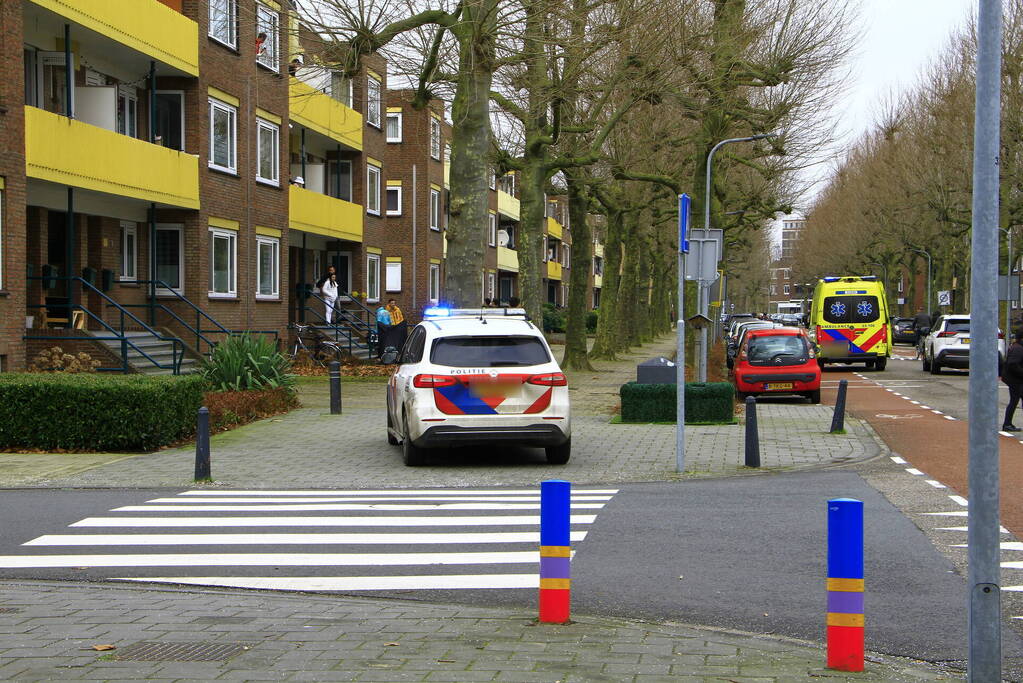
845,584
555,551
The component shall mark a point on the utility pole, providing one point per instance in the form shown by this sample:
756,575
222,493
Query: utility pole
983,584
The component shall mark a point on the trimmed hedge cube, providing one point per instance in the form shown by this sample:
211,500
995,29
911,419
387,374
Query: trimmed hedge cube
705,402
97,412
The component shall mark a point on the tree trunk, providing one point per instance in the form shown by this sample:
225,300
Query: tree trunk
604,346
531,230
579,274
626,300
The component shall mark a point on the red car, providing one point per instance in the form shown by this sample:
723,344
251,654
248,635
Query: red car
778,360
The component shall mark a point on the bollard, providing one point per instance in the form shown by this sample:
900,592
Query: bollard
845,584
752,434
335,387
202,445
555,551
838,419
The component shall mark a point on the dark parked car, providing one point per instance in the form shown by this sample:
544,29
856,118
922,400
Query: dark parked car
902,331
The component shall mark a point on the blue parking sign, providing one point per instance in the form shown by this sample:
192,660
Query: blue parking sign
683,222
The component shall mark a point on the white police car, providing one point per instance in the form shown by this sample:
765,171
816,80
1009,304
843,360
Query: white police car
477,377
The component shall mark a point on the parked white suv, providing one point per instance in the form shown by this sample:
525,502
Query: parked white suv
477,377
948,344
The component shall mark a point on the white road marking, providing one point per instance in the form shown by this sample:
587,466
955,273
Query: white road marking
268,559
344,507
936,484
914,471
936,412
355,583
925,407
915,402
959,499
292,539
485,499
964,529
897,460
1012,565
1004,545
1008,434
206,522
953,513
385,492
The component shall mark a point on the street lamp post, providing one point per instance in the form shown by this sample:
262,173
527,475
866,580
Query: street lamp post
928,255
702,298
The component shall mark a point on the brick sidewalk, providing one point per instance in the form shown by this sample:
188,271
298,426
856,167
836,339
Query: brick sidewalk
310,448
47,632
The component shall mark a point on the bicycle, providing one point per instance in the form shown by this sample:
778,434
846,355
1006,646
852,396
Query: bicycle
324,350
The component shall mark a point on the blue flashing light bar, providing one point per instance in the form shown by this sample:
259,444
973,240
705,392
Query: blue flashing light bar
437,312
448,312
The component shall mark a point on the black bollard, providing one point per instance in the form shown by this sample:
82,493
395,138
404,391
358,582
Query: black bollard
335,387
752,434
202,445
838,419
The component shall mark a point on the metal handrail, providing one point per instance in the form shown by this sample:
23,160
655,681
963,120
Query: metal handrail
176,354
342,330
348,315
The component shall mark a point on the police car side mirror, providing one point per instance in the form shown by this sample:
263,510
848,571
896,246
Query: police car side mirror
389,357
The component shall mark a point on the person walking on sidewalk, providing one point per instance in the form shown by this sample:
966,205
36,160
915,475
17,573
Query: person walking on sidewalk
921,322
1012,375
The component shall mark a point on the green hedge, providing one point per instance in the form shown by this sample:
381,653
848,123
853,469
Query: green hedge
97,412
705,402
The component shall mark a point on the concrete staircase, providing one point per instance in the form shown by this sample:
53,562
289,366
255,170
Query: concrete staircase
327,333
159,350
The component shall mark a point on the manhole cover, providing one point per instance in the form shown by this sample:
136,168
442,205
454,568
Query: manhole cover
9,610
180,652
223,620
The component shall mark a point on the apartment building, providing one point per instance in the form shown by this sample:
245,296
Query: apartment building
557,250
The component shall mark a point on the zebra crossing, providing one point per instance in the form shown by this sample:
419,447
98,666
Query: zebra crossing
315,540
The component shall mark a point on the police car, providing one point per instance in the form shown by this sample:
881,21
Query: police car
477,377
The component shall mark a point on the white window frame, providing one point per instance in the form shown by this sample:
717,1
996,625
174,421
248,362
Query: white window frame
274,244
492,234
392,188
131,256
131,99
232,111
774,290
785,289
544,252
183,122
261,125
232,273
268,21
435,136
231,39
491,285
373,199
434,209
392,268
373,101
372,266
396,115
434,284
493,179
180,229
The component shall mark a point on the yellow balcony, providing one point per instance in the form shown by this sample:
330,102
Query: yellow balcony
598,280
507,259
507,205
325,115
598,250
553,270
146,26
553,228
69,152
322,215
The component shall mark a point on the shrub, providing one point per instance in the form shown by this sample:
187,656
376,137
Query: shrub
231,408
591,322
97,412
553,319
244,361
705,402
54,359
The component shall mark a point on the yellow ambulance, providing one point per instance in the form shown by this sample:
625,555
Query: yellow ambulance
849,321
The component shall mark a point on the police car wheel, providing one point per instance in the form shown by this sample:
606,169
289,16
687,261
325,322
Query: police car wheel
559,455
411,455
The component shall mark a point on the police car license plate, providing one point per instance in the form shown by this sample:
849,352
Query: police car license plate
773,386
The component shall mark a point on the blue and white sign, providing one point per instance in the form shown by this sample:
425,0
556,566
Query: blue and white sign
684,203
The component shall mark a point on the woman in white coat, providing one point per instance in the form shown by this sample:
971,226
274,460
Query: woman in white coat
328,292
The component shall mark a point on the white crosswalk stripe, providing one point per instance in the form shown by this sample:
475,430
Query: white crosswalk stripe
429,539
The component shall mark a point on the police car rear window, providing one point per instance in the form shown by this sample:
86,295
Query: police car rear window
850,309
488,352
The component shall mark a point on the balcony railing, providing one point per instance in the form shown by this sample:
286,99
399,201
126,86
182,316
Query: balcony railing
147,26
553,270
325,115
324,215
70,152
553,228
508,259
507,205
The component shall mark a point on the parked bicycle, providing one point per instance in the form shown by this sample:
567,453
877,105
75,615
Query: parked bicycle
321,351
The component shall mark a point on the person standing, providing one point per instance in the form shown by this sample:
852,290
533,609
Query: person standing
1012,375
921,322
383,328
396,315
329,292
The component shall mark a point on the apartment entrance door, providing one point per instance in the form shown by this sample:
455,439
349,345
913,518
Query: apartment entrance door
342,262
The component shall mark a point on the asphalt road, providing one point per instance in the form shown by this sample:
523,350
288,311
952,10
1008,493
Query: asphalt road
743,552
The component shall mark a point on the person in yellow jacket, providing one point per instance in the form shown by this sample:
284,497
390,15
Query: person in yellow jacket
396,314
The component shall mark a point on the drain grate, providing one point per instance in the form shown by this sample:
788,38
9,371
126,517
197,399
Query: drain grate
148,651
10,610
223,620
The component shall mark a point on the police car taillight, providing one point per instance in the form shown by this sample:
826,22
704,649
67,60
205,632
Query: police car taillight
433,381
549,379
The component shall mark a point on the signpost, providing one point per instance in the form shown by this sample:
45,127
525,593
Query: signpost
684,203
944,297
705,272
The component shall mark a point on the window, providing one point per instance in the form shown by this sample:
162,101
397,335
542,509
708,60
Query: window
127,111
341,180
544,251
268,267
506,183
341,88
169,264
489,352
493,180
393,200
566,255
267,152
785,289
223,140
170,119
434,282
223,21
434,210
373,101
373,277
267,34
223,257
392,280
435,138
493,230
598,265
491,284
394,127
129,250
373,189
850,309
902,284
774,290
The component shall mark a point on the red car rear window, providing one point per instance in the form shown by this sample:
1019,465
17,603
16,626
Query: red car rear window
777,350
